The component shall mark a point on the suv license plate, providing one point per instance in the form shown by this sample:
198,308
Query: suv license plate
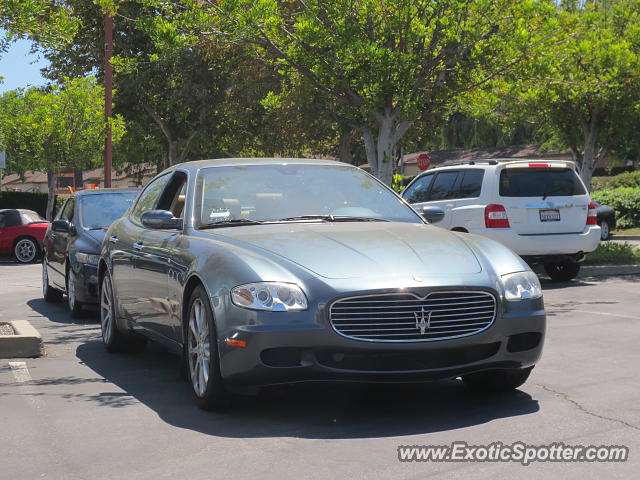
549,215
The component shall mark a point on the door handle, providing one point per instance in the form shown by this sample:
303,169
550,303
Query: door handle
113,239
138,246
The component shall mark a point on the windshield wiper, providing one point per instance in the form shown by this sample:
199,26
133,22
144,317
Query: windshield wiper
97,228
332,218
230,223
551,190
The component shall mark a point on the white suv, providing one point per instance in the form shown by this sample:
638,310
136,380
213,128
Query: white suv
538,208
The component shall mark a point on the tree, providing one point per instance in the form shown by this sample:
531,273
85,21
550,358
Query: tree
56,128
584,91
376,66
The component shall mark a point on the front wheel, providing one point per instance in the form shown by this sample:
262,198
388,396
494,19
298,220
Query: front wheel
75,307
202,354
49,293
26,250
562,271
496,380
113,339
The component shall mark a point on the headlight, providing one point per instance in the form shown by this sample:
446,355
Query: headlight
88,258
521,286
270,296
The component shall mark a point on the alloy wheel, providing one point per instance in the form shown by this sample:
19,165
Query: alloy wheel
71,289
25,250
199,347
106,310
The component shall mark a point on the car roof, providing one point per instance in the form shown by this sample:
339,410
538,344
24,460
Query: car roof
493,162
232,162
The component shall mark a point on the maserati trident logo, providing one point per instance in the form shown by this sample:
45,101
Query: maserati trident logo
422,323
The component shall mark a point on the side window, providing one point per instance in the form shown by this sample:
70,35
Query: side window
148,199
3,216
13,219
174,196
471,183
418,191
443,186
66,212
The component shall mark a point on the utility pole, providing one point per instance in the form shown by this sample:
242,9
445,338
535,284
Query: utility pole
108,95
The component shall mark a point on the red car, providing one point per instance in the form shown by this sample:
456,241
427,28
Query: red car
22,233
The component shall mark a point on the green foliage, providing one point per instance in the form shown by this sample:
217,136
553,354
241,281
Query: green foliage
51,129
397,183
626,179
609,253
625,201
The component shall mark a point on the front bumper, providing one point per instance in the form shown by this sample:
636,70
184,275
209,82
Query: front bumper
87,283
313,351
548,244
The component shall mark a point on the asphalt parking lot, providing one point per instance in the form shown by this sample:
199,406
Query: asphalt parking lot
81,413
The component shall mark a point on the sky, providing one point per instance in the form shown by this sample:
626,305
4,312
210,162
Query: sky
19,67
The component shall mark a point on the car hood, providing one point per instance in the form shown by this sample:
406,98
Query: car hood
350,250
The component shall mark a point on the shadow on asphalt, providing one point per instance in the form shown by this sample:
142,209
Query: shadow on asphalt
58,312
318,411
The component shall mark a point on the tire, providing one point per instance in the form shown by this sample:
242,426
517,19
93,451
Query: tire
114,340
605,230
562,271
26,250
496,380
50,294
201,349
75,307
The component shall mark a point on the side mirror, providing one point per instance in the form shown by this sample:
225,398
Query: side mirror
432,214
62,226
160,219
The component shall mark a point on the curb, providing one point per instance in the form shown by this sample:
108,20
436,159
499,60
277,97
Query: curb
608,270
27,342
625,237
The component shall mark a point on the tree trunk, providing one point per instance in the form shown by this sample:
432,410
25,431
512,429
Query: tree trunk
52,180
344,147
381,152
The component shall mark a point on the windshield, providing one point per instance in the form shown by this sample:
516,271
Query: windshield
264,193
101,210
539,182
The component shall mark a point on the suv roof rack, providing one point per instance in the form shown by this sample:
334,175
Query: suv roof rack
468,162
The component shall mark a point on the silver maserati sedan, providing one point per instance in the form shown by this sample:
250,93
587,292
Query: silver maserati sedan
268,271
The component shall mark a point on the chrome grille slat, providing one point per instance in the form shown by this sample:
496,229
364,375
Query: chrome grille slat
411,306
392,317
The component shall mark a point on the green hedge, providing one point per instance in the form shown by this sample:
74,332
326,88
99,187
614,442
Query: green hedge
35,201
627,179
626,202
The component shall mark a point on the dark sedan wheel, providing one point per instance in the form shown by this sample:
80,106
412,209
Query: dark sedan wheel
562,271
496,380
605,230
26,250
75,307
49,293
202,354
113,339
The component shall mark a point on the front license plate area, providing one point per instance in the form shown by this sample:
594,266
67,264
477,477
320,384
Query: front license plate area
549,215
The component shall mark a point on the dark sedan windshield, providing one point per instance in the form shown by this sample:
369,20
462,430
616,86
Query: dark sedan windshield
248,194
101,210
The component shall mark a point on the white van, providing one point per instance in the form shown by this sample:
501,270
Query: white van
538,208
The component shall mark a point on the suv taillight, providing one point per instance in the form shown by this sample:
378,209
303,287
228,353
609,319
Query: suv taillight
495,216
592,215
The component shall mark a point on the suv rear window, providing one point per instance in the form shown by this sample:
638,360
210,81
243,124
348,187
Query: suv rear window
540,182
